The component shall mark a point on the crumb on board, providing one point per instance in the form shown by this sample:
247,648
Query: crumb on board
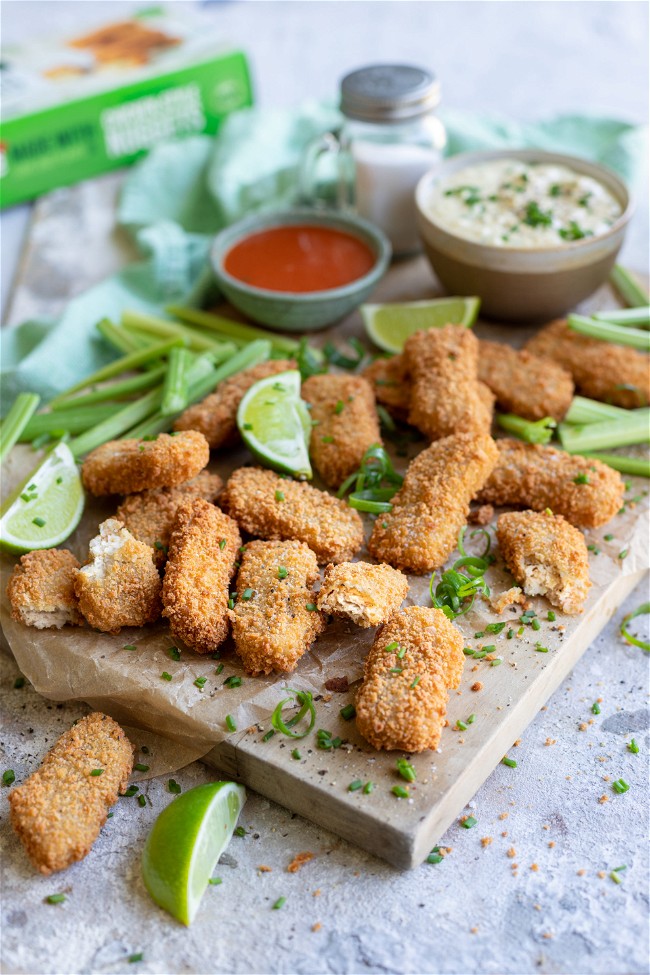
505,832
486,841
503,815
551,741
317,893
546,826
473,930
551,844
581,872
603,799
512,852
477,686
517,743
534,867
537,907
299,861
582,726
602,874
548,935
264,869
317,926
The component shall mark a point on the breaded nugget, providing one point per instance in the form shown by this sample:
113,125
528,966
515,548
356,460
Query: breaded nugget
611,373
202,553
265,504
216,416
524,383
275,619
390,384
59,811
547,556
585,491
344,424
432,505
150,515
442,364
402,701
127,466
364,593
41,589
119,585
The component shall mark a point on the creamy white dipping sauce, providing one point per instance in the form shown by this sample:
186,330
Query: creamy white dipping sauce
508,203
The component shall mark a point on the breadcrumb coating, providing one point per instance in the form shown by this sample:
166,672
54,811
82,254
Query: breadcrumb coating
150,515
390,384
216,416
345,424
274,627
511,597
585,491
547,556
202,552
523,383
119,585
402,701
274,507
59,811
41,589
432,505
611,373
364,593
442,364
128,466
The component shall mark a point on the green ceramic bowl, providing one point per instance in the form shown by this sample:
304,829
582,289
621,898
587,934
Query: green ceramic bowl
303,311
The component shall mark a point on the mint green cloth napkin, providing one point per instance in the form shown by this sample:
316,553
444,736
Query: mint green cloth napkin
184,191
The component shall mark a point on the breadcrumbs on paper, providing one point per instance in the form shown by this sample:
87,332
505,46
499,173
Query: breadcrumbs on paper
517,743
486,841
505,832
503,815
537,907
512,852
534,867
551,741
317,926
264,869
603,799
548,935
551,844
477,686
581,872
602,874
317,893
473,930
299,861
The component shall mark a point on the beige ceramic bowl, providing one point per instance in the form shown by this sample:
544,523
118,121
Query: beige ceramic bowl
520,284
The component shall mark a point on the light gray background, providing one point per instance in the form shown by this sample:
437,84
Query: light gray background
473,912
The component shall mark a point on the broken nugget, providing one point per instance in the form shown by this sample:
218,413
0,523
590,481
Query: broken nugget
364,593
41,589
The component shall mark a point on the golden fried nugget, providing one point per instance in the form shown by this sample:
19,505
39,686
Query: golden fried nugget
275,619
402,701
523,383
585,491
432,505
265,504
345,424
364,593
59,811
442,364
119,585
127,466
150,515
201,561
41,589
611,373
390,384
216,416
547,556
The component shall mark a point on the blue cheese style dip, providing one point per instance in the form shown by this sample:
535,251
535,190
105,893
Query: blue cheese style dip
508,203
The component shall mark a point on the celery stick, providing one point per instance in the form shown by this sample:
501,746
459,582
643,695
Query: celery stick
620,334
626,465
16,420
626,316
632,429
114,391
117,424
234,330
583,410
161,328
539,431
630,289
176,385
118,337
68,421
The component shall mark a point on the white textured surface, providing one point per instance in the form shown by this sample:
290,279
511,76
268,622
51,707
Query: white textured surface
527,59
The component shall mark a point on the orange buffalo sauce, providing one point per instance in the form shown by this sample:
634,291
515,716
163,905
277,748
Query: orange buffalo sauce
299,258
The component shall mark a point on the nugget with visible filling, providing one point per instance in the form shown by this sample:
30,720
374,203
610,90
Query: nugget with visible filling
389,381
442,364
402,701
119,585
273,507
431,507
364,593
41,589
523,383
345,424
275,620
59,811
587,492
604,371
150,515
127,466
216,416
547,556
201,561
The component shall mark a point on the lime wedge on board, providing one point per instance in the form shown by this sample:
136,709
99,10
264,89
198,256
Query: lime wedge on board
275,425
47,506
389,326
185,844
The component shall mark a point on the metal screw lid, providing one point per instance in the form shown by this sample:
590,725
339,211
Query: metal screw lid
389,93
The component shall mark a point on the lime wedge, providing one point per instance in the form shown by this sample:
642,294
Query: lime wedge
47,506
275,425
389,326
185,844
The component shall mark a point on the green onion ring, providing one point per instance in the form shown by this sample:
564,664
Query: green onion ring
643,610
303,698
477,531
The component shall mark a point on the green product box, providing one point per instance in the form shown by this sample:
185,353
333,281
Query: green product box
82,106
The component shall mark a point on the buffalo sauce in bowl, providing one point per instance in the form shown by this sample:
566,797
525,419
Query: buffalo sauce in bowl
299,258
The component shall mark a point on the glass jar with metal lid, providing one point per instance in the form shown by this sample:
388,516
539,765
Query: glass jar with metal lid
390,137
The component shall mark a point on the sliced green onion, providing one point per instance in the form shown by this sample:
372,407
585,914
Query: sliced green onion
355,786
368,788
628,316
336,358
236,331
642,610
633,747
510,762
8,777
638,466
468,822
348,712
55,898
16,420
281,901
628,286
304,699
376,500
406,770
633,429
538,431
400,792
618,334
176,387
230,723
620,786
296,754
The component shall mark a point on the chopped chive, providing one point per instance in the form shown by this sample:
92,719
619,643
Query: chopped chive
139,767
615,877
281,901
340,406
510,634
39,522
296,754
355,786
495,627
468,822
396,670
595,708
219,669
540,648
19,682
468,651
215,881
55,898
165,675
608,538
327,439
461,726
223,543
550,616
581,479
348,712
97,771
368,787
268,735
536,625
282,572
240,831
174,787
479,635
496,662
392,646
633,747
8,777
620,786
279,495
200,682
130,792
233,681
247,595
142,801
133,959
435,856
416,681
406,770
400,792
311,607
230,723
510,762
622,555
174,653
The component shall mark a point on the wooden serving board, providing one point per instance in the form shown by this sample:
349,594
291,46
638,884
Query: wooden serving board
504,698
